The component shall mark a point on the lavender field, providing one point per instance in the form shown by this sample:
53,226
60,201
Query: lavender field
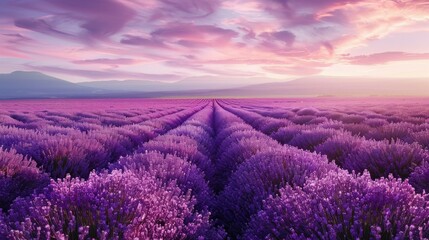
321,168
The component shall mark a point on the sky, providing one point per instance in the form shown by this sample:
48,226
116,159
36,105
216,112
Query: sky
169,40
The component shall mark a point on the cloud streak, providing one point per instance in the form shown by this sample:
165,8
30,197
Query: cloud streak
107,61
106,74
386,57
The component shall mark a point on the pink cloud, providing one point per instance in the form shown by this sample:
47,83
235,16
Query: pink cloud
293,70
246,60
207,70
191,35
177,10
9,45
279,42
107,61
386,57
183,34
10,52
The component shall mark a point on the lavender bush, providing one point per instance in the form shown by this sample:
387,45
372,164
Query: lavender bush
235,154
422,138
383,158
108,206
339,146
343,206
309,139
170,169
19,177
285,134
420,178
181,146
262,175
393,132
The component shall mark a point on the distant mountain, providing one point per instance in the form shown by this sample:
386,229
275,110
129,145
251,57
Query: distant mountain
37,85
329,86
22,84
127,85
188,84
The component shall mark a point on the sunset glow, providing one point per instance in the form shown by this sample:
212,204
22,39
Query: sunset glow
168,40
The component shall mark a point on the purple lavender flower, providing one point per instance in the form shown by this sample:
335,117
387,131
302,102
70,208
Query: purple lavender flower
304,119
376,122
3,226
169,169
269,125
19,177
114,206
343,206
60,155
359,129
309,139
181,146
262,175
422,138
352,119
285,134
338,147
393,132
383,158
420,178
236,153
226,130
307,111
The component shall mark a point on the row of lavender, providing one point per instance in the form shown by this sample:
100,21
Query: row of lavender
282,192
61,150
77,118
406,122
387,154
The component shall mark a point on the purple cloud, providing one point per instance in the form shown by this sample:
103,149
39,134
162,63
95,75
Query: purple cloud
39,25
102,18
282,36
141,41
298,12
15,38
96,19
277,42
107,61
191,31
191,35
196,8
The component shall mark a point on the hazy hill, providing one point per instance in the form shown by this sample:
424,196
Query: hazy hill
331,86
188,84
37,85
21,84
